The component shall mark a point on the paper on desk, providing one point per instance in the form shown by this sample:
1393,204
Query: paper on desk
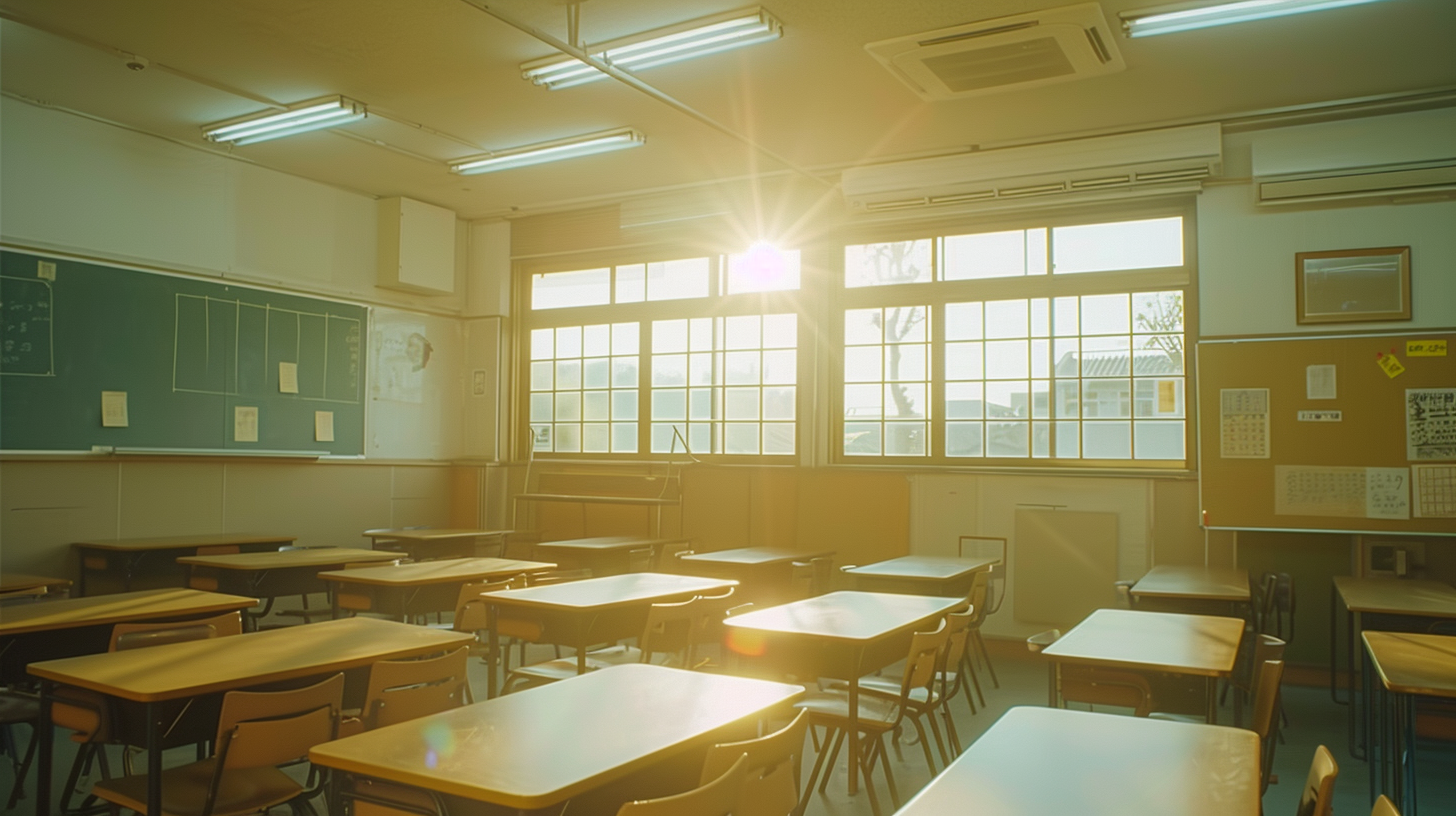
113,409
245,423
288,378
323,426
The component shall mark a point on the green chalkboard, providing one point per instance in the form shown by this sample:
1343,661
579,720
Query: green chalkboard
187,353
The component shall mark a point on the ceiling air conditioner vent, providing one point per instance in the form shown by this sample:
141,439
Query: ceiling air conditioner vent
1423,178
1007,53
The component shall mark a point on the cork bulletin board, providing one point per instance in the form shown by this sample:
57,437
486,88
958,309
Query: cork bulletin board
1351,433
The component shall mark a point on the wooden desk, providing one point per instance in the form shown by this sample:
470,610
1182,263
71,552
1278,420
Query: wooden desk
603,555
124,556
763,573
427,586
1196,645
1193,589
1404,666
1044,761
1382,604
582,613
425,543
539,748
76,626
39,585
921,575
842,635
146,677
272,574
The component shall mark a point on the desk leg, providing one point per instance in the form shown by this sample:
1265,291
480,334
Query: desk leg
46,746
1358,746
154,762
1210,684
492,649
1334,649
854,746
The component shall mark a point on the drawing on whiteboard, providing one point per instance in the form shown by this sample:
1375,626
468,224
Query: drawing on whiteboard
1243,418
401,353
1430,423
1435,488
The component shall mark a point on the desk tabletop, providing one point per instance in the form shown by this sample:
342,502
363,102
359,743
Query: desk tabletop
540,747
20,582
446,571
432,533
1039,761
748,556
846,616
609,591
1194,582
1397,596
1414,663
284,559
183,542
1202,645
102,610
181,670
644,501
605,543
923,567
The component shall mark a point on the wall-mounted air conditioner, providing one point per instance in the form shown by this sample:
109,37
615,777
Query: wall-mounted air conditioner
1390,157
1145,163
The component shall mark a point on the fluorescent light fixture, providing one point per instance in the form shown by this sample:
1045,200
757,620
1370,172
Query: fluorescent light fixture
1190,16
695,38
327,112
549,151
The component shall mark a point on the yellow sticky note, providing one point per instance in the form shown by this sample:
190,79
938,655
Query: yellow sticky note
1390,365
1425,348
1167,397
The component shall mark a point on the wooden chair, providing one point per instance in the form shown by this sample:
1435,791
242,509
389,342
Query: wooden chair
401,690
1266,717
772,785
717,798
1123,590
19,708
256,732
1319,787
1384,807
877,716
979,587
88,713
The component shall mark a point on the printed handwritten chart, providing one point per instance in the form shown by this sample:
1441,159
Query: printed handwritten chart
1435,491
1244,423
1430,424
1350,492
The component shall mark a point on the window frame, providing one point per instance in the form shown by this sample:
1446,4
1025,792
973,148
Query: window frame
936,293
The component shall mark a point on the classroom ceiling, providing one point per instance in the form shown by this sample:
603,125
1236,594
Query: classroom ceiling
442,80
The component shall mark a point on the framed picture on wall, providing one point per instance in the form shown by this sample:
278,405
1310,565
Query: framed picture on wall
1353,285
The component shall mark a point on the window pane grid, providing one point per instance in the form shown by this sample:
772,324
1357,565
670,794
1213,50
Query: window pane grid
583,389
726,385
887,381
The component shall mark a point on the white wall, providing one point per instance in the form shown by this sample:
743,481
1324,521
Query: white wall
1246,252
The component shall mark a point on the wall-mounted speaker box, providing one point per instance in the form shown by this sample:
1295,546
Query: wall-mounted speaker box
416,247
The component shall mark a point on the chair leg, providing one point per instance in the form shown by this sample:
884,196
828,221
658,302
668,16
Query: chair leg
939,742
17,791
889,775
986,656
925,742
970,671
808,789
867,767
833,755
950,729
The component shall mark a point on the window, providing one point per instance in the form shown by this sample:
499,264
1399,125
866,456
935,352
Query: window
624,360
1060,342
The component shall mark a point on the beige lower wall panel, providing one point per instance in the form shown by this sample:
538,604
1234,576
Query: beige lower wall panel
719,507
775,502
1177,536
44,506
171,498
1066,562
322,505
864,516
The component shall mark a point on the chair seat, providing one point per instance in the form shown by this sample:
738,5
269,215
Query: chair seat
18,708
243,791
884,686
832,708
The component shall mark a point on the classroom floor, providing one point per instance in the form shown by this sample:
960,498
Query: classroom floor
1314,719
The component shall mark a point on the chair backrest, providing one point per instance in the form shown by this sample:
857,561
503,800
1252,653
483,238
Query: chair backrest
671,629
1277,599
261,728
1384,807
1319,788
978,597
470,611
668,554
924,662
559,576
1041,640
126,636
772,786
717,798
1098,686
1266,697
1123,589
995,576
958,634
640,559
401,690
